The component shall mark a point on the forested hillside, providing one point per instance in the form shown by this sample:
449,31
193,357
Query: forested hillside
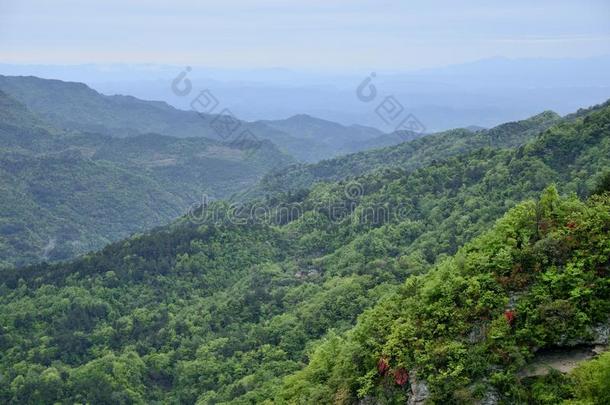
408,155
70,105
264,301
69,192
467,330
78,190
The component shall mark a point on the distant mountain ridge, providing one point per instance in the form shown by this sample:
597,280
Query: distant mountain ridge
332,139
75,106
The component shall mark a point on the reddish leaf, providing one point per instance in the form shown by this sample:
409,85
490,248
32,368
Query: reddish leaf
383,366
510,316
401,376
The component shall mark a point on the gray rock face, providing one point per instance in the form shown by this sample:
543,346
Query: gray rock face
477,334
419,391
513,297
601,333
491,397
563,360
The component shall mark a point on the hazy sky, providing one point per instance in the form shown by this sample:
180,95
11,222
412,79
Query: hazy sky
308,34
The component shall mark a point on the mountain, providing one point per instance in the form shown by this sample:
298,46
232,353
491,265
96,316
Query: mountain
408,155
70,105
355,291
330,139
308,127
68,192
475,128
75,106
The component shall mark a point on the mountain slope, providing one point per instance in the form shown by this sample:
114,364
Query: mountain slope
408,155
219,311
65,193
461,333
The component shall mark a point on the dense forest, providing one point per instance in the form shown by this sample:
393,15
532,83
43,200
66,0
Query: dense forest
408,155
84,169
439,270
467,329
66,192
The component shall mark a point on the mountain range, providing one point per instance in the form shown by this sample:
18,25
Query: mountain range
441,269
88,169
82,108
447,268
